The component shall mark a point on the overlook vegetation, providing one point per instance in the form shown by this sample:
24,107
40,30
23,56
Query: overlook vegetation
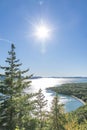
26,111
78,90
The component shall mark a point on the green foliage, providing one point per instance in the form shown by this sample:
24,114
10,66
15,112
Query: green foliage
81,114
19,110
77,89
77,120
57,117
72,123
15,105
40,110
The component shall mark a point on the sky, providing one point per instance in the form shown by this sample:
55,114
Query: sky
63,53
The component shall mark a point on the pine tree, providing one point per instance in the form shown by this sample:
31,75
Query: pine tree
41,111
15,106
57,115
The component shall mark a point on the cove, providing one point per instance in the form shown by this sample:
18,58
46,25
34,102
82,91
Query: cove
70,103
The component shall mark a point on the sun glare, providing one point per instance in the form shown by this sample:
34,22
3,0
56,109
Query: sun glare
42,32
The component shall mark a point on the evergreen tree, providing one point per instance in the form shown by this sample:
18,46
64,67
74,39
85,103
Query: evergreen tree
57,115
15,106
41,111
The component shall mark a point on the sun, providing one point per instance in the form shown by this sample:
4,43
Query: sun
42,32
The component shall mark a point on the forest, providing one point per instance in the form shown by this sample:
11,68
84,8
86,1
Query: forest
27,111
76,89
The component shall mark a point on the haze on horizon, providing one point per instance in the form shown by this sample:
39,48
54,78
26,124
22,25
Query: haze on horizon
61,50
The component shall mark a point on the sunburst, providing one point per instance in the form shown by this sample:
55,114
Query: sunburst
42,32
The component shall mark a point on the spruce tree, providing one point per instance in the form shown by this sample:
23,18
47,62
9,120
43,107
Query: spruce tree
57,118
40,111
15,106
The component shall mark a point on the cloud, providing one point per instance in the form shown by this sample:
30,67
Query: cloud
6,40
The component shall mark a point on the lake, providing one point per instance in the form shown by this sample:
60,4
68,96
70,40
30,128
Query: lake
70,103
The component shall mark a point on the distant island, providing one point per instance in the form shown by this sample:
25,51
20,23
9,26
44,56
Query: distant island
2,76
36,77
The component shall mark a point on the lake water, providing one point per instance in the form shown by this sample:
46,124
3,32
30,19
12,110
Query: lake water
69,102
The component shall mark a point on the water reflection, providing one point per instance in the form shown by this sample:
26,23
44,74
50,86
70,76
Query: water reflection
43,83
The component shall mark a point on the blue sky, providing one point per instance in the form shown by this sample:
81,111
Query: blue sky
65,49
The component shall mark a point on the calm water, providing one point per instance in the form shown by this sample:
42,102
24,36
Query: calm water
43,83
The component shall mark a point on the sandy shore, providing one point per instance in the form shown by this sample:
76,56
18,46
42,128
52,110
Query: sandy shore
79,100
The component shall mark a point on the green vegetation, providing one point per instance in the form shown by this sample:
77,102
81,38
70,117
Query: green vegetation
57,117
76,118
40,110
27,111
81,114
15,105
76,89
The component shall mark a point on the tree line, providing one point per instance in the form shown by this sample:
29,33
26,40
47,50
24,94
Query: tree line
77,89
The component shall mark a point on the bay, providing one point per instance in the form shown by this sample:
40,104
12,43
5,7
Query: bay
70,103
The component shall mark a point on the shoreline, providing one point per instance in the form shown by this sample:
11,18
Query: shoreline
79,99
73,97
